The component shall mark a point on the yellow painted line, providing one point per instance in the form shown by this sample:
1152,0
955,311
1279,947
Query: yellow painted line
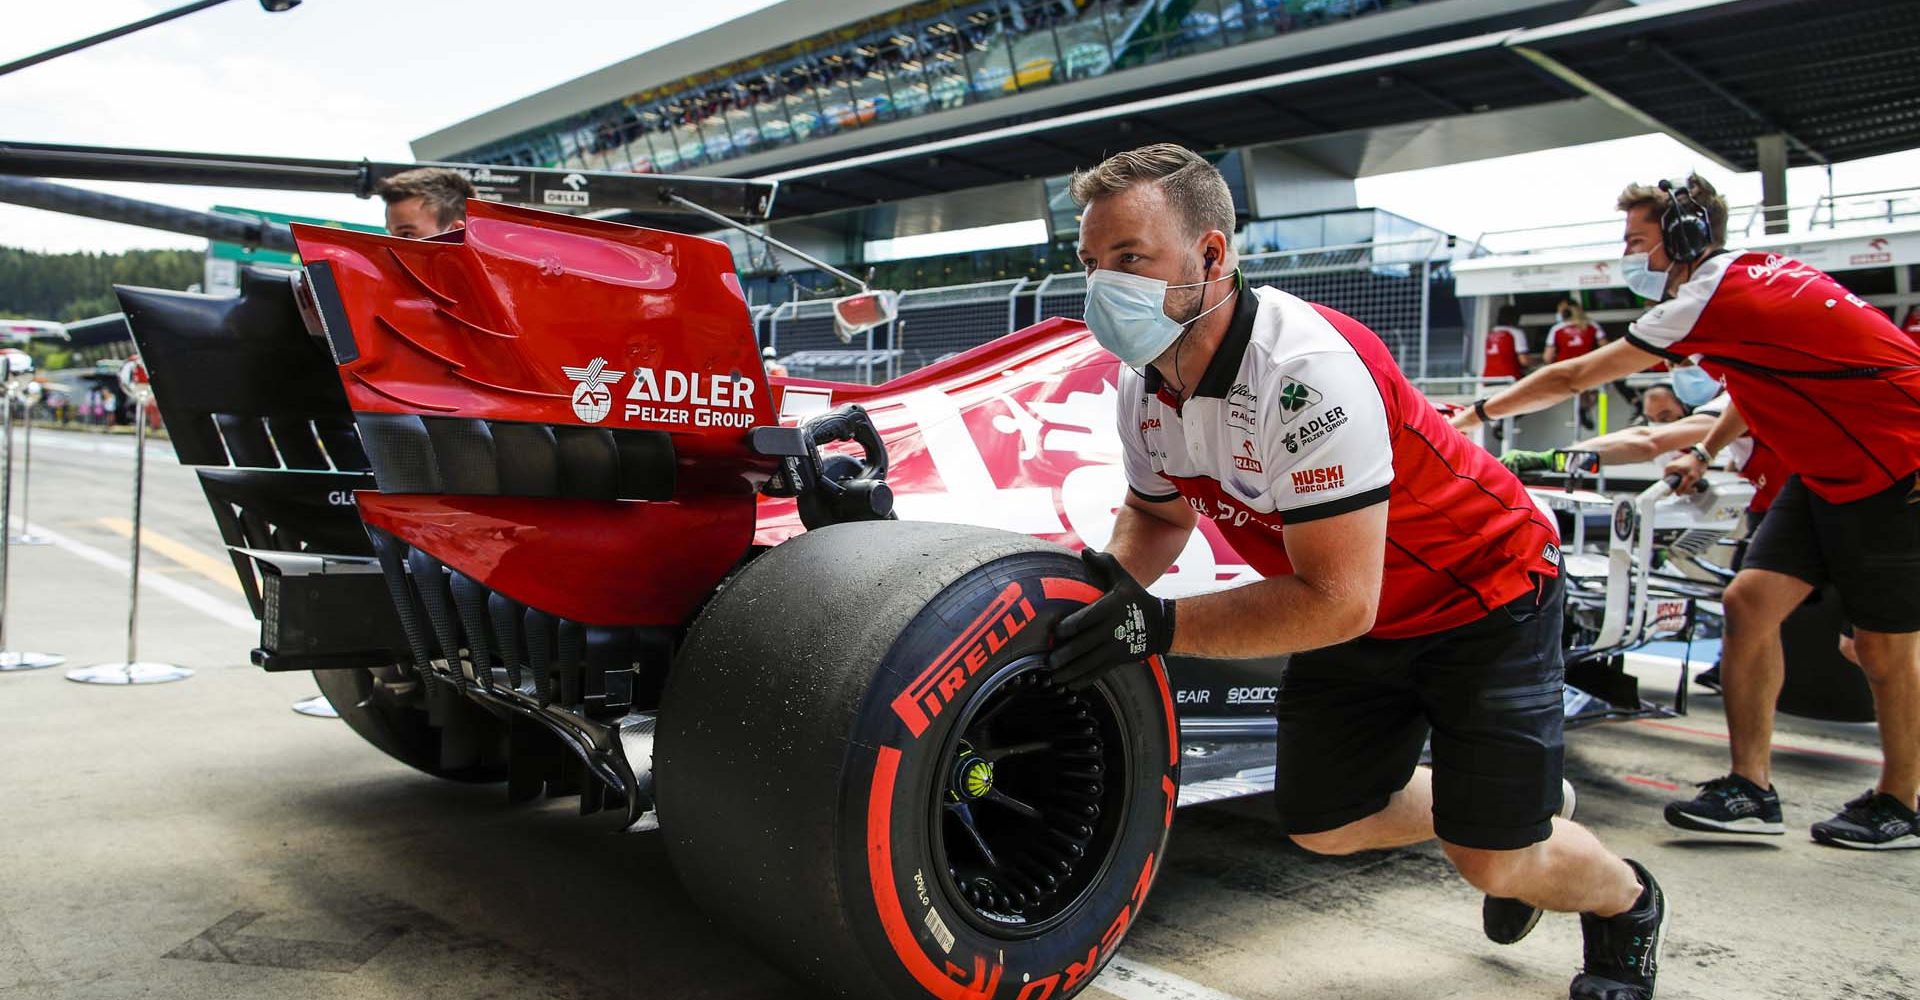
219,571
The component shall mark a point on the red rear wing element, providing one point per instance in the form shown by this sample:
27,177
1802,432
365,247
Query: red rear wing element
553,406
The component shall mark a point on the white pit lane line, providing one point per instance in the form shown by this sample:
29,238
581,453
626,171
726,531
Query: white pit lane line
1131,980
225,612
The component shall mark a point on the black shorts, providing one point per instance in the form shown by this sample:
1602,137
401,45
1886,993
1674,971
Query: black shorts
1868,549
1353,718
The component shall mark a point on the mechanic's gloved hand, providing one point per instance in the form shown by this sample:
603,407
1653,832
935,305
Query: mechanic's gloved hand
1518,461
1125,625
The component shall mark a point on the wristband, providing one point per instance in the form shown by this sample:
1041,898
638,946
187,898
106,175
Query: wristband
1480,410
1700,453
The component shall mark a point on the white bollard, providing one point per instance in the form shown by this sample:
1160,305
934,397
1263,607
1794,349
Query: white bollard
25,535
18,369
133,378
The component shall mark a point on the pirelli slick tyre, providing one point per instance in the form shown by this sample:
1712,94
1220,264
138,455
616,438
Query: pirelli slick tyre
469,745
864,766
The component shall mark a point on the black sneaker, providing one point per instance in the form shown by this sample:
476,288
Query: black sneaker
1709,678
1623,952
1506,921
1729,805
1875,821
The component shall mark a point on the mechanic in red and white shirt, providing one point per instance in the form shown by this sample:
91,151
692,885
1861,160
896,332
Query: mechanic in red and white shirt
1506,354
1413,578
1574,335
1833,386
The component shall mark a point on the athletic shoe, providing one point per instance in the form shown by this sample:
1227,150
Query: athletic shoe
1875,821
1623,952
1729,805
1709,678
1506,921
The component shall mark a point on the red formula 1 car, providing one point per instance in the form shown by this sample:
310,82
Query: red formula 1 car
525,502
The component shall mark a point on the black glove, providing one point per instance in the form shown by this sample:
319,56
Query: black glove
1125,625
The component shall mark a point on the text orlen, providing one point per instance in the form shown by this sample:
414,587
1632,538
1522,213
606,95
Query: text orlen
671,396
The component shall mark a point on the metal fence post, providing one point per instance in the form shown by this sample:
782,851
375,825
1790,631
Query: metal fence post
1426,309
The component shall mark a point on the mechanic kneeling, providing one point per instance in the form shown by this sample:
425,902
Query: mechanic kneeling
1417,583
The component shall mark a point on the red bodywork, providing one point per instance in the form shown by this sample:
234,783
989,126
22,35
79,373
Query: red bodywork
1018,434
499,322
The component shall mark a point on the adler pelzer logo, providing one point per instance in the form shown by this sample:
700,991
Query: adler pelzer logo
591,400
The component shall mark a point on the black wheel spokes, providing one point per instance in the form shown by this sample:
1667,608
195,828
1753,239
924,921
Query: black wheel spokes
1000,798
1023,838
963,813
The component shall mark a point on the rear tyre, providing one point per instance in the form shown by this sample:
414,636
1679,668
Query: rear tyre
469,744
863,766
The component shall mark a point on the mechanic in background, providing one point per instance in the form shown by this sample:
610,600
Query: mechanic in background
1832,385
1412,576
1671,425
1506,351
771,361
1574,335
425,202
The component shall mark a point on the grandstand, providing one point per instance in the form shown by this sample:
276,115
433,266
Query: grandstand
885,121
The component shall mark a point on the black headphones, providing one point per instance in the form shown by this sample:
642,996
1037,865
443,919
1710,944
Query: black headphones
1685,231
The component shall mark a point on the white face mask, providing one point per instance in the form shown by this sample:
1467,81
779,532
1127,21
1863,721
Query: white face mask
1694,387
1128,314
1642,280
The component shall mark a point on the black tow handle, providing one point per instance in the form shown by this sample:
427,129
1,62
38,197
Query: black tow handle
836,488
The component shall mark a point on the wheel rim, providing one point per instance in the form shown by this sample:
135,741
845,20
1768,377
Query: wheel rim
1028,806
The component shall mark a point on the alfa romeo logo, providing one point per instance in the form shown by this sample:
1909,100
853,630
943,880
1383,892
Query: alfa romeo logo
591,400
1295,396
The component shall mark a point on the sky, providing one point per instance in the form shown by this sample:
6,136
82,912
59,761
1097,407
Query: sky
345,79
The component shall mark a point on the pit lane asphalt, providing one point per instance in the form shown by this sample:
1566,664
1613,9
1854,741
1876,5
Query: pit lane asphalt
201,840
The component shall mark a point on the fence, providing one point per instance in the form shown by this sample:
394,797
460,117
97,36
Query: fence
1386,286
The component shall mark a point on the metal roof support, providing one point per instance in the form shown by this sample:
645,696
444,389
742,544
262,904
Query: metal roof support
1713,87
1771,151
1579,81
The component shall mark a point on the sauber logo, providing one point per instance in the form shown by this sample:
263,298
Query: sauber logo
1331,477
923,700
591,400
1248,462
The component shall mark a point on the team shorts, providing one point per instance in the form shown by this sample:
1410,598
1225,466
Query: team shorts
1354,717
1868,549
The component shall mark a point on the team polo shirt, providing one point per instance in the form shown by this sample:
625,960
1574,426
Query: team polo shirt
1750,456
1570,340
1505,344
1302,414
1822,377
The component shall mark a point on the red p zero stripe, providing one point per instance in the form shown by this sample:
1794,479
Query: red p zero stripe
1166,698
886,768
1063,589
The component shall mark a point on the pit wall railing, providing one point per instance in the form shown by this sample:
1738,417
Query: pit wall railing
1389,287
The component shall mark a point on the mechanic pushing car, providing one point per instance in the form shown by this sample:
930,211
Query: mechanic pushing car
1833,386
1408,571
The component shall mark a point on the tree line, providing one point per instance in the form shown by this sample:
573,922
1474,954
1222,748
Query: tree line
74,286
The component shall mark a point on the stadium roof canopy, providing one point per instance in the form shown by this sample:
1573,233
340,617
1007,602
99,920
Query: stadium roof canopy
1838,77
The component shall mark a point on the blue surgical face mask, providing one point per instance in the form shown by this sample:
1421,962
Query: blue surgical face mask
1128,314
1644,281
1694,387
